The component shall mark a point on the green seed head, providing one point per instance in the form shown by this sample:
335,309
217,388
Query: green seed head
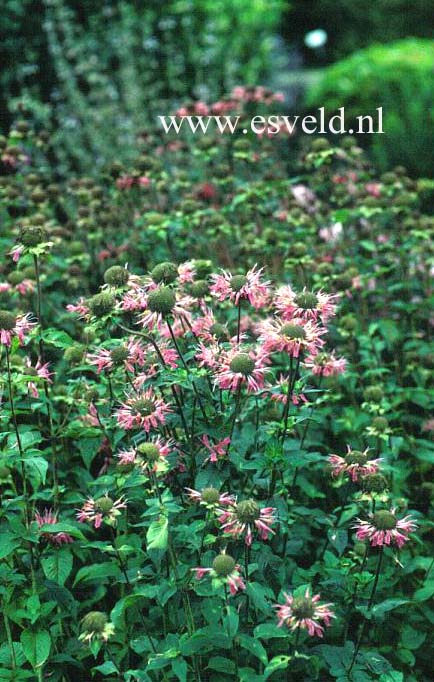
299,249
116,276
210,495
149,452
101,304
223,565
203,267
374,483
306,300
356,457
302,608
219,331
74,354
237,282
293,331
144,406
384,520
7,320
94,621
199,288
104,504
360,549
373,394
242,364
33,235
119,355
248,511
164,273
161,300
380,424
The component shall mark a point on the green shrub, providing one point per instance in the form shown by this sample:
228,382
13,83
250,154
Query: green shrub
398,77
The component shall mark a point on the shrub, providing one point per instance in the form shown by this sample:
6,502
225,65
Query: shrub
398,77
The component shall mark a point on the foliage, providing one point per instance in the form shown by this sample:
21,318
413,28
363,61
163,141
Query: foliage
113,552
398,77
106,67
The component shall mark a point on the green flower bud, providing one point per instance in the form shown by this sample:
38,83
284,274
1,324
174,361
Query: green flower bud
247,511
32,236
242,364
384,520
161,300
7,320
223,565
101,304
164,273
116,276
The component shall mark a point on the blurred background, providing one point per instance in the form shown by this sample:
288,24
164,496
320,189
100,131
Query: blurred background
97,72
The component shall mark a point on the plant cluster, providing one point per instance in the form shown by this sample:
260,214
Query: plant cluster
216,444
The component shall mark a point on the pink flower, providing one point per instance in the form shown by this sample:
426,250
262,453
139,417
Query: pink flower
25,287
236,288
147,455
101,509
298,335
244,517
305,305
224,571
210,498
208,329
239,367
325,364
187,272
282,395
331,234
384,528
14,326
160,303
39,371
16,252
305,613
127,355
49,517
207,356
144,411
80,308
355,464
218,450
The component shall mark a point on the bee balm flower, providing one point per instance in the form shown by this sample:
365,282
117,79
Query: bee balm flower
304,612
355,464
246,516
236,288
143,410
224,571
238,367
12,326
101,509
384,528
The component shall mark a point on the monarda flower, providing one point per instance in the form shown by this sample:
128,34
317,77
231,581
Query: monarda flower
210,498
294,337
14,326
39,371
127,356
384,528
144,411
224,571
236,288
96,625
49,517
239,367
103,508
305,613
160,304
325,364
355,464
147,456
218,450
243,518
306,305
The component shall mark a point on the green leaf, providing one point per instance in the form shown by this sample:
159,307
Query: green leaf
269,631
8,543
37,468
58,565
106,668
62,528
223,665
254,647
276,663
179,667
411,638
36,646
388,605
100,572
57,338
158,534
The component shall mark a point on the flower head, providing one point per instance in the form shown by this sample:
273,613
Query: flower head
325,364
96,625
218,450
293,337
49,517
148,456
224,571
384,528
101,509
243,518
355,464
38,371
14,326
236,288
304,612
238,367
126,355
211,498
143,410
306,305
